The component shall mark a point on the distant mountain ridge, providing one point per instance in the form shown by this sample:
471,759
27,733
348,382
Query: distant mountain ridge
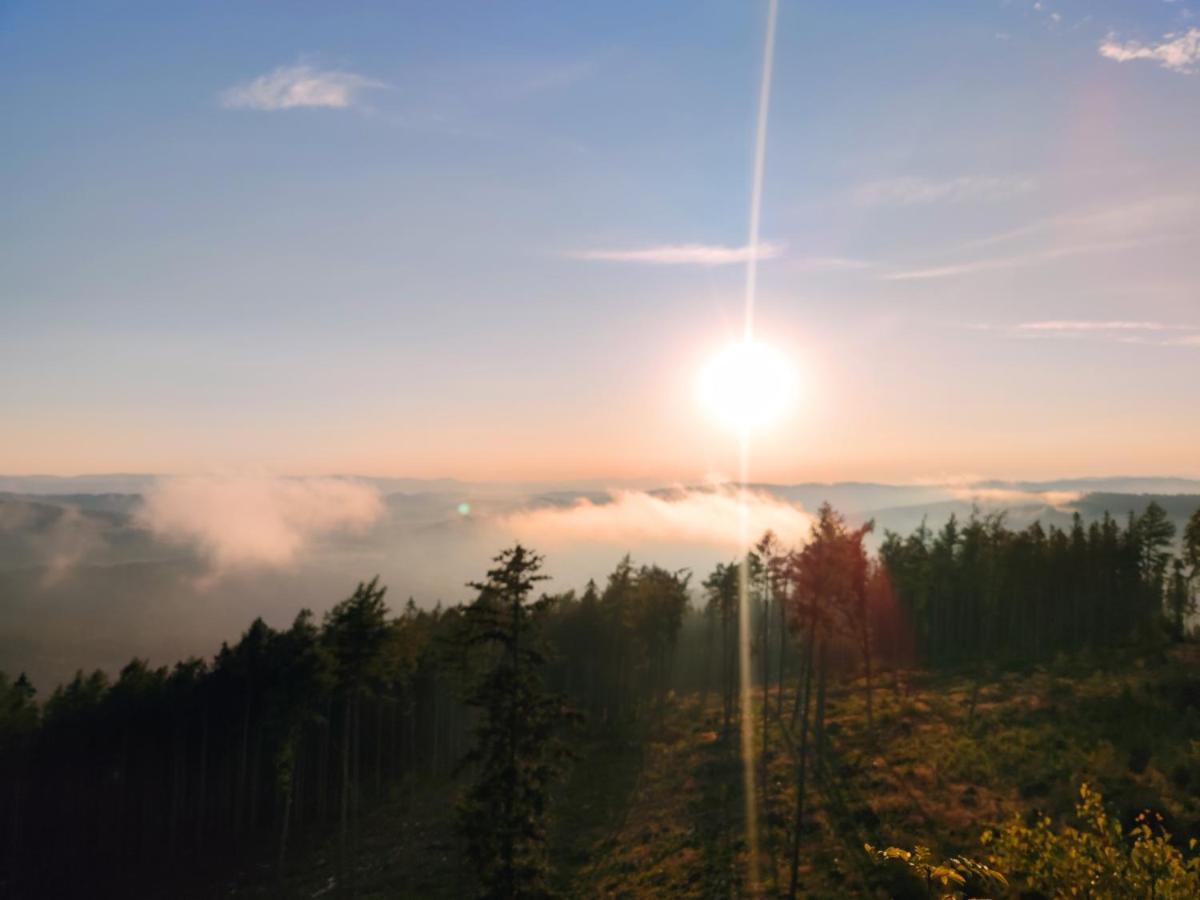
138,483
85,581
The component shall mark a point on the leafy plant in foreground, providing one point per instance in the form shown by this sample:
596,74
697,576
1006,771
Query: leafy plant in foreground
1096,859
914,874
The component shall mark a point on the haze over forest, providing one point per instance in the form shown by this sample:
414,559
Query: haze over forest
98,569
690,449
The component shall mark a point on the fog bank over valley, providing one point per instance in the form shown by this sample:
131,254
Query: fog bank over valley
98,569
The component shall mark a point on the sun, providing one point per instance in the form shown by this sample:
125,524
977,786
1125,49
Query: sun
748,386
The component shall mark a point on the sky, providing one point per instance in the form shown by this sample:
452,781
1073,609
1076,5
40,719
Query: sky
500,241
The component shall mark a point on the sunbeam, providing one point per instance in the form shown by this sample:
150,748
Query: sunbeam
748,365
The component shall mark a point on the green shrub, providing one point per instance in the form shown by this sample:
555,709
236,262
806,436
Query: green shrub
1097,859
913,875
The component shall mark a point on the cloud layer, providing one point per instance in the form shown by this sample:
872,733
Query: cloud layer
709,518
256,521
1177,51
684,254
294,87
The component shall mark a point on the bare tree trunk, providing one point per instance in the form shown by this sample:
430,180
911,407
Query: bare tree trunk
378,747
782,655
822,672
177,750
355,782
435,729
16,835
201,794
410,730
801,765
254,777
393,754
799,698
298,795
509,849
870,692
726,672
287,812
345,806
14,832
805,666
321,804
766,694
240,790
708,649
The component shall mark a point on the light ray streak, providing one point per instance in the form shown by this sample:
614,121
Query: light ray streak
760,153
744,661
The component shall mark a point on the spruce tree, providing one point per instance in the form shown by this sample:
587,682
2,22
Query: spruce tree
516,754
355,635
1180,603
1154,532
1191,545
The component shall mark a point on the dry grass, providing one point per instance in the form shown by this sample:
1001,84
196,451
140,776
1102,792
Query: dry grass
658,811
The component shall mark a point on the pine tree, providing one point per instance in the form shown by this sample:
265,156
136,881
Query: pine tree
356,632
18,726
1180,603
1191,546
828,577
721,588
302,676
517,754
1154,532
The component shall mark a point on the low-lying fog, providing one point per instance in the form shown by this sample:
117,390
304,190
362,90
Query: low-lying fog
94,571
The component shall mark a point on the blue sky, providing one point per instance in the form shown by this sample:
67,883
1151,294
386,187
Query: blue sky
445,238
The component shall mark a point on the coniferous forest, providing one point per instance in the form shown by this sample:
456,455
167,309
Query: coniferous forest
971,711
600,451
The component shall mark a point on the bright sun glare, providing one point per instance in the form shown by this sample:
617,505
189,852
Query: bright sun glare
748,386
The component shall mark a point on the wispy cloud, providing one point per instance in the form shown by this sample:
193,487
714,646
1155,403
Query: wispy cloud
1177,51
295,87
684,254
1108,229
1122,331
1077,325
827,264
1020,260
1039,7
1153,214
516,79
912,191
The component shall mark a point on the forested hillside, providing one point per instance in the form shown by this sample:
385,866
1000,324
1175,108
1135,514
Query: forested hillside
90,580
586,743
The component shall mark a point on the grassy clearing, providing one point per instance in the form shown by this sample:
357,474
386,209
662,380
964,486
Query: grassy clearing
934,773
658,812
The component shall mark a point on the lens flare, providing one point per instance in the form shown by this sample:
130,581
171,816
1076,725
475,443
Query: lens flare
748,386
766,382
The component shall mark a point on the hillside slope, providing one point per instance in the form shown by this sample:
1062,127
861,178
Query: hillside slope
659,811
